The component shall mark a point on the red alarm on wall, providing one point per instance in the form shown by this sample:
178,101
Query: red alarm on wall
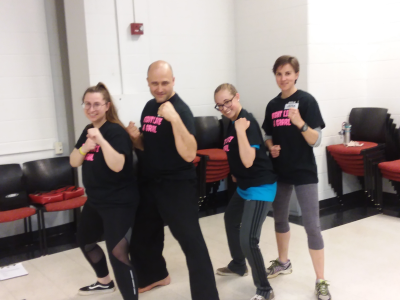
136,28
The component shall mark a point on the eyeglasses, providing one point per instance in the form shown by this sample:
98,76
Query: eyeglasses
95,106
226,104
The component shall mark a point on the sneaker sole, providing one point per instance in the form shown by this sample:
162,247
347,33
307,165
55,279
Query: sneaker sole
316,294
98,292
231,274
284,272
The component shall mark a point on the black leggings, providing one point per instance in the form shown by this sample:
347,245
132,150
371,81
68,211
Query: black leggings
116,225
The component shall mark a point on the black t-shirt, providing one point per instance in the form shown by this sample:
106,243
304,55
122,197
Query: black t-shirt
160,156
261,172
296,162
103,185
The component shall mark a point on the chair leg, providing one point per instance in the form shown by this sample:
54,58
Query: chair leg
25,225
40,232
77,217
30,229
44,231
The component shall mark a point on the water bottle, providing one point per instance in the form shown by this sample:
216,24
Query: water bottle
346,130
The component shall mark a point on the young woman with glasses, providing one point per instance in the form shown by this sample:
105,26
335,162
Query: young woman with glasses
252,170
104,150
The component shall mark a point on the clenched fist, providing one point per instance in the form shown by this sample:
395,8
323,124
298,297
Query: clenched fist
275,150
133,131
295,117
167,111
95,135
242,124
88,146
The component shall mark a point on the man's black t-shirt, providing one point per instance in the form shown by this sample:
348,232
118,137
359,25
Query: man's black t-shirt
104,186
296,162
261,172
160,156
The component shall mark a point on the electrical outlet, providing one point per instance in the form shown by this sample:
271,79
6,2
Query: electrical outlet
58,147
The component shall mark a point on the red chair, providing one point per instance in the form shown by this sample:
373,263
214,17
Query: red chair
370,126
389,170
214,163
14,201
50,174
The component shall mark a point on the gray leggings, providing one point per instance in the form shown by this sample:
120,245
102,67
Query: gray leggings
307,195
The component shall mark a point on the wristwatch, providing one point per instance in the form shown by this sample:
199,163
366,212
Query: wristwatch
304,128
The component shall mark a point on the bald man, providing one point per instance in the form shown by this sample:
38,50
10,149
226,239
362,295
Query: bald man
168,189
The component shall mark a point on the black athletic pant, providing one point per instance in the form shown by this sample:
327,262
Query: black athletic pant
176,203
243,224
116,225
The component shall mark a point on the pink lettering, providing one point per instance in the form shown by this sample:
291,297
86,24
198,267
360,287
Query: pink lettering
89,156
276,114
228,140
286,113
158,121
282,122
226,148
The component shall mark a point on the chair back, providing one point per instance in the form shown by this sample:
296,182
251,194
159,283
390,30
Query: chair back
369,124
48,174
12,187
208,132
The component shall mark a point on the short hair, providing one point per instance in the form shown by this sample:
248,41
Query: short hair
226,86
287,59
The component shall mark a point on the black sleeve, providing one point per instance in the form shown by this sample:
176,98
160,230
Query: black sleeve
188,119
82,139
267,124
312,115
254,134
142,117
119,139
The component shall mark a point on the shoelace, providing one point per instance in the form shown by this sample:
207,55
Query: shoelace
275,263
257,297
322,287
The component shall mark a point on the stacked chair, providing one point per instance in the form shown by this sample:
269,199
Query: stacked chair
389,169
370,126
49,175
14,201
213,166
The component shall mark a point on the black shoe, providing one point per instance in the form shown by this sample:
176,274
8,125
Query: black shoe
97,288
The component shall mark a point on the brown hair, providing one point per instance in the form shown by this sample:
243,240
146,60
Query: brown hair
286,59
226,86
111,113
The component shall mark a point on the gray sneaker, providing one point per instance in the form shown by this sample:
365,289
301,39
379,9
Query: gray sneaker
225,271
270,296
322,291
277,268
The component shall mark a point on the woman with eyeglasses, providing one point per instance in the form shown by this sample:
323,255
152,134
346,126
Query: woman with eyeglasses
252,169
104,150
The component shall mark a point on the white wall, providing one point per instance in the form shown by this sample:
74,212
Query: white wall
383,59
266,30
336,72
196,37
33,105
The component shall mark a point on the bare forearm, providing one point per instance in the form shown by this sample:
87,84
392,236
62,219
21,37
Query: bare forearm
138,142
185,142
76,158
114,160
310,135
246,152
269,144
